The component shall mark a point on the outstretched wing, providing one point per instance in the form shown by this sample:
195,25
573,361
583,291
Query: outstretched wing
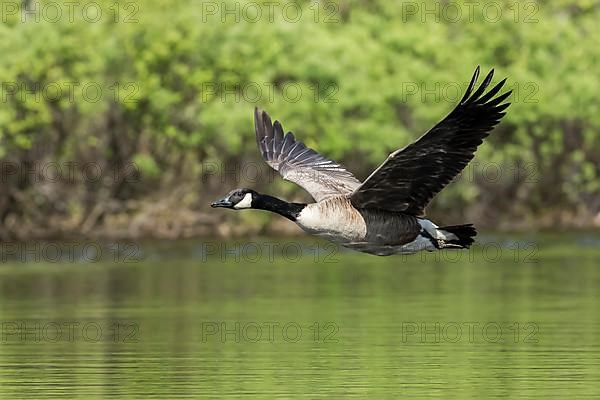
412,176
319,176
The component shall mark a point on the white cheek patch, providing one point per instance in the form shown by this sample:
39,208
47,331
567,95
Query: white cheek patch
246,202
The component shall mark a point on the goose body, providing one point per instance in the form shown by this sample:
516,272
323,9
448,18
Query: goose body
383,215
371,231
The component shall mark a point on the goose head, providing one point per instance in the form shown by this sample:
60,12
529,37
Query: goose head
237,199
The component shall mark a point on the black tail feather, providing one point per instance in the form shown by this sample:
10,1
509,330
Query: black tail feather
465,234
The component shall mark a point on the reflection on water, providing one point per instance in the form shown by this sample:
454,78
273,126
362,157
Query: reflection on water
512,318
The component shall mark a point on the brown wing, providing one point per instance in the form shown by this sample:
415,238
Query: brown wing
319,176
412,176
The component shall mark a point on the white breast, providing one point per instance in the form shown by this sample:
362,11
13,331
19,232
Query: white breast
335,219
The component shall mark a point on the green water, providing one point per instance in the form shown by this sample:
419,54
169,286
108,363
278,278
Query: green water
185,320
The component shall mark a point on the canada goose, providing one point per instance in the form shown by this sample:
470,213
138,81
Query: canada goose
383,215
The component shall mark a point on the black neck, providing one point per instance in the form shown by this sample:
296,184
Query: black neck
281,207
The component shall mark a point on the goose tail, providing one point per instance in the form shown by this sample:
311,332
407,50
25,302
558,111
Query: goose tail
458,236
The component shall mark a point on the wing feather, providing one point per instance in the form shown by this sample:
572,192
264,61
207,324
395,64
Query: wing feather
412,176
321,177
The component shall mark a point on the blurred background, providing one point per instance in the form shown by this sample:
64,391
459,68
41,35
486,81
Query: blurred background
120,121
124,119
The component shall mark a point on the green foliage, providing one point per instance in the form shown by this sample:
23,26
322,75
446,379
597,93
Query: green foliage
180,82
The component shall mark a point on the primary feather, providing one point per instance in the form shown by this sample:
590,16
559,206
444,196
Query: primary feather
412,176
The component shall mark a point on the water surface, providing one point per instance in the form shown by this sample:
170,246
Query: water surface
514,318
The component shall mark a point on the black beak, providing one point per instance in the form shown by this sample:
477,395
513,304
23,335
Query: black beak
226,203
